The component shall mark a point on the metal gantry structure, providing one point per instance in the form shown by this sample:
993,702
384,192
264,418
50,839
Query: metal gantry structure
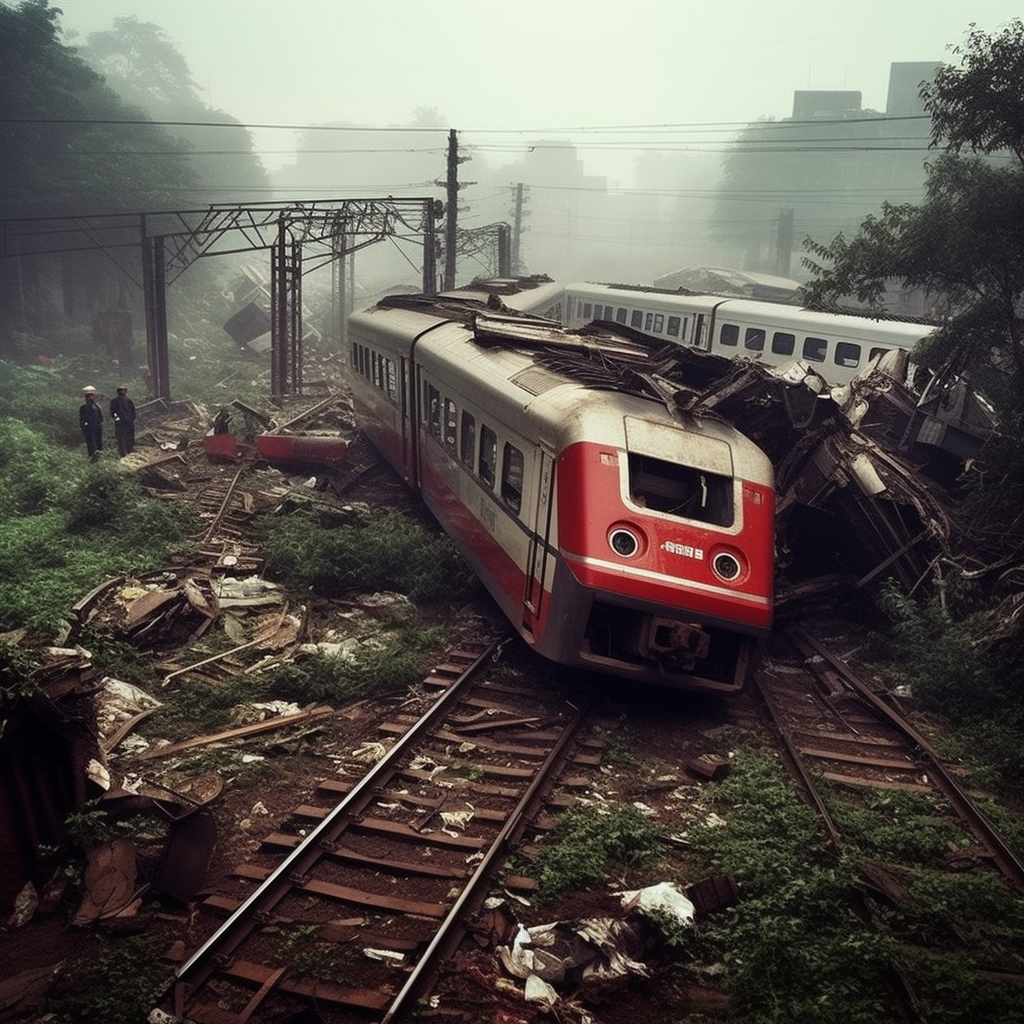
298,236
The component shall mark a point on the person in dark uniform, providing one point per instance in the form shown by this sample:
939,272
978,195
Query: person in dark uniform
90,416
122,412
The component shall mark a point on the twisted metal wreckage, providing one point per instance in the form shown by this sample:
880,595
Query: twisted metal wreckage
863,472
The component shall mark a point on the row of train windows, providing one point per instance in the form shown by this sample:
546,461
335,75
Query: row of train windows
376,368
641,320
458,433
814,350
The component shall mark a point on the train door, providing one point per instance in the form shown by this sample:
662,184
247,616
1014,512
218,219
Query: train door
537,558
701,335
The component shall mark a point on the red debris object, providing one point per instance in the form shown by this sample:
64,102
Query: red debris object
222,446
302,449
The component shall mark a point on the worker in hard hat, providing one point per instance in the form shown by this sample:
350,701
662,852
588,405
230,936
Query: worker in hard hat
122,412
90,416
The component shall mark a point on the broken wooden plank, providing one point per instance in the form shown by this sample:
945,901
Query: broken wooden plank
240,732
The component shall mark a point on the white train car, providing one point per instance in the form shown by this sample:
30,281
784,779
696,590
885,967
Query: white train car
615,535
836,345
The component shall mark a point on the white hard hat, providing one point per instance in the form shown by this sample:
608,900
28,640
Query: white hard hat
87,389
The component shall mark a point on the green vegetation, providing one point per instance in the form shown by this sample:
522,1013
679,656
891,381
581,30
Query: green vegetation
118,983
402,659
794,949
67,525
958,668
392,553
590,843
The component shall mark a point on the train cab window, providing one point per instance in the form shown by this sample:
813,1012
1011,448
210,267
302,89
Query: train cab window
488,455
847,354
451,420
433,410
620,315
753,339
467,440
683,491
512,477
783,343
815,349
673,326
587,307
636,319
729,335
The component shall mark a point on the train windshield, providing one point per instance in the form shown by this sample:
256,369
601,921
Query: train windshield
680,490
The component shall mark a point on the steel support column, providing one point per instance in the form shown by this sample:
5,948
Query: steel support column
154,284
286,314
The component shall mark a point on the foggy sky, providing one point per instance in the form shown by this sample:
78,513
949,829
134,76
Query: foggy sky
521,69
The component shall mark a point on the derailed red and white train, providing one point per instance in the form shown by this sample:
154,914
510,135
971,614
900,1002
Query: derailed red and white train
615,535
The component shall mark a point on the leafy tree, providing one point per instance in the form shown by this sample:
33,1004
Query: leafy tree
980,104
965,242
138,61
61,148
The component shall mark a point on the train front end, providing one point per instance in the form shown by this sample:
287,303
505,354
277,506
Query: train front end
666,541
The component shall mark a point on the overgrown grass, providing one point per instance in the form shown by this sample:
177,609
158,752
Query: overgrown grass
119,983
976,687
590,843
403,659
391,552
793,948
69,524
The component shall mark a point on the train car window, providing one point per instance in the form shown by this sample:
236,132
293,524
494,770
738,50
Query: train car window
587,307
375,368
729,335
620,315
683,491
636,319
392,380
433,409
673,326
451,422
847,354
783,343
659,323
648,321
488,455
468,439
753,339
876,352
512,477
609,312
815,349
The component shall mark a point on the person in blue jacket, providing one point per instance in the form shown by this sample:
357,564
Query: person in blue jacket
122,412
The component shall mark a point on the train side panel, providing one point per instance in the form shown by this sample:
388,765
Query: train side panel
838,346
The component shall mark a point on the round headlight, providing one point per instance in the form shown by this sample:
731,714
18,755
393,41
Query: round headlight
726,566
624,542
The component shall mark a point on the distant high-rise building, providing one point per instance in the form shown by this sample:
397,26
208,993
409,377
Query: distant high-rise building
905,78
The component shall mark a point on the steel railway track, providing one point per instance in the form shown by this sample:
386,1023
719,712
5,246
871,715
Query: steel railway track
836,729
442,807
